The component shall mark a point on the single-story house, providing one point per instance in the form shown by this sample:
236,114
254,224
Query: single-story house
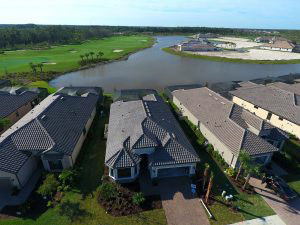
15,102
145,139
52,133
264,39
284,46
277,103
227,126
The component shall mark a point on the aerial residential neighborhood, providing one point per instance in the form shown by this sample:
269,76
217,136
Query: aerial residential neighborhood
136,112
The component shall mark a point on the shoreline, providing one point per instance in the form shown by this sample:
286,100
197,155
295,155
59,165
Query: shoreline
230,60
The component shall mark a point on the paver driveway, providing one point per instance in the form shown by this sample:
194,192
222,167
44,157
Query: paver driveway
181,208
289,212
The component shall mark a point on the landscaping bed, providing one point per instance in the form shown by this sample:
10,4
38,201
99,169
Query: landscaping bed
122,200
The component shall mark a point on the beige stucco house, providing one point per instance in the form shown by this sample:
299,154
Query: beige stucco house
52,133
277,103
15,103
227,126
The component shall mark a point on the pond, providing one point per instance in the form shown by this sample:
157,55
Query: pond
154,68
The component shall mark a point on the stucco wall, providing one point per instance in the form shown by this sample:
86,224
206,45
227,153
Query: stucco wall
27,170
275,121
185,111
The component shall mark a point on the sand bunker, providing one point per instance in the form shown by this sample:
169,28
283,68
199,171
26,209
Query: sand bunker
49,63
118,50
144,40
73,51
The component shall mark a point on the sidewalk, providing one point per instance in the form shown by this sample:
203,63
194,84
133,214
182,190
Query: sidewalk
269,220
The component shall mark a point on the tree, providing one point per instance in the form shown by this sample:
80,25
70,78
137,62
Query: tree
40,65
245,160
87,56
251,169
82,57
210,184
4,123
205,175
49,186
33,67
100,54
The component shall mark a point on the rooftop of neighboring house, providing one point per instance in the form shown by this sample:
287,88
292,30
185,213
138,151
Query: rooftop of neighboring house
275,98
295,88
281,44
230,123
53,126
5,83
12,98
146,123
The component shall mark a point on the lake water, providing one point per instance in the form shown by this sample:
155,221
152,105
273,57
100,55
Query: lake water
154,68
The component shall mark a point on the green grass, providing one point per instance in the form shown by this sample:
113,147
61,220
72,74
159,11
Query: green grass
293,181
66,57
251,206
42,84
91,162
223,59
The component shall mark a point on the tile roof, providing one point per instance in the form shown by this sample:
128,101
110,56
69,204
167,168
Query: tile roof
146,123
294,88
10,102
228,122
281,44
54,125
272,98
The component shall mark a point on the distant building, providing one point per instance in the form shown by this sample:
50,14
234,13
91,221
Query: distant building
228,127
284,46
205,35
264,40
199,45
52,134
277,103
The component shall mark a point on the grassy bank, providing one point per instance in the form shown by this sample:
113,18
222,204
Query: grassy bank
65,58
91,162
223,59
42,84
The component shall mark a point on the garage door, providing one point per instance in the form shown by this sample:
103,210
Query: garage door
5,183
173,172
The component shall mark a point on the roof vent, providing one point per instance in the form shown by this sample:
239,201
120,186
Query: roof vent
44,117
62,98
210,94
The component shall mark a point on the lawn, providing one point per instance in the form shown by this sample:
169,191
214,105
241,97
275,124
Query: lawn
251,206
64,58
223,59
293,181
42,84
91,164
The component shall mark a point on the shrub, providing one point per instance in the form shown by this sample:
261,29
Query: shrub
49,186
108,191
67,177
230,172
138,198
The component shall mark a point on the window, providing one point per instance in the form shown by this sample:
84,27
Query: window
55,164
17,114
256,107
111,172
124,173
135,170
280,118
269,116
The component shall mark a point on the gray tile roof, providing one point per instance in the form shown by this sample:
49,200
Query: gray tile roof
54,125
294,88
273,99
228,122
146,123
10,102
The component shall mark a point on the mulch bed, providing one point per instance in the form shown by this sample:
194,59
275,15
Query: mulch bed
240,183
123,205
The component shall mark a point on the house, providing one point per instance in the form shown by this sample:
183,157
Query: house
227,126
144,138
264,39
284,46
52,133
5,83
199,45
15,102
277,103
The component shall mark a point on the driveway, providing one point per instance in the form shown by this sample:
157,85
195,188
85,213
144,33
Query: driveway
269,220
180,206
289,212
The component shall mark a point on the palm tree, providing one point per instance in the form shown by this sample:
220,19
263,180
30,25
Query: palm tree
245,160
40,65
100,54
205,175
210,184
252,169
33,67
87,56
92,54
81,56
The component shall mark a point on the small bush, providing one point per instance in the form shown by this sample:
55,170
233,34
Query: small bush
138,198
230,172
67,177
108,191
49,186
